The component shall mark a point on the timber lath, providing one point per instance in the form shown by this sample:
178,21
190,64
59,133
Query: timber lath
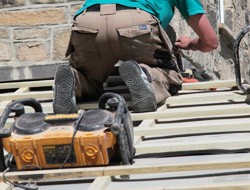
197,140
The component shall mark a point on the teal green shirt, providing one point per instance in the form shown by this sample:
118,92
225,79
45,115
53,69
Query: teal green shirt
162,9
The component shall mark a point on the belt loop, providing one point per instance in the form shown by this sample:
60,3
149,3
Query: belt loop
107,9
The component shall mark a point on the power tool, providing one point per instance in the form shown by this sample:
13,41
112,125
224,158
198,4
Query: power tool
89,138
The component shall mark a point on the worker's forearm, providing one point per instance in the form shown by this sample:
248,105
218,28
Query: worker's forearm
194,44
207,39
197,44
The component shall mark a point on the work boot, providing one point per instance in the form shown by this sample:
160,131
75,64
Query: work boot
143,100
64,95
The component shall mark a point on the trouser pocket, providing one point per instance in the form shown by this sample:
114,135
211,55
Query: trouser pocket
83,41
137,42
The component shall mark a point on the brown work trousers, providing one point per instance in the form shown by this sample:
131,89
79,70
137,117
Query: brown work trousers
100,38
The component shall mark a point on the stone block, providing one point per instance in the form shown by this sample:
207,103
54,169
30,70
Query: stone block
5,51
6,73
49,16
32,52
31,33
20,73
4,33
47,1
11,3
43,71
19,2
61,40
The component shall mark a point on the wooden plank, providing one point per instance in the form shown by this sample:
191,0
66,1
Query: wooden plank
40,83
195,143
147,123
87,105
209,84
201,127
100,183
22,90
159,165
55,174
18,91
143,124
4,186
207,180
209,97
36,95
195,112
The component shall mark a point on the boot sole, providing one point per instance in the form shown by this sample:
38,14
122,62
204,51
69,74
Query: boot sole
143,99
64,84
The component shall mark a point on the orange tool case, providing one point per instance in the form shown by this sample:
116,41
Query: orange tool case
89,138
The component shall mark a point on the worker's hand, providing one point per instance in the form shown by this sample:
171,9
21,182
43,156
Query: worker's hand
184,43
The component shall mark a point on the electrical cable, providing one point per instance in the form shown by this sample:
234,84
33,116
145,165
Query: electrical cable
70,149
28,186
76,124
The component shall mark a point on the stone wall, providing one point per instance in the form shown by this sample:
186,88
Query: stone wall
34,36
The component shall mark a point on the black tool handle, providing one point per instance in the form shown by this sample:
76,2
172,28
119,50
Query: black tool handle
243,87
